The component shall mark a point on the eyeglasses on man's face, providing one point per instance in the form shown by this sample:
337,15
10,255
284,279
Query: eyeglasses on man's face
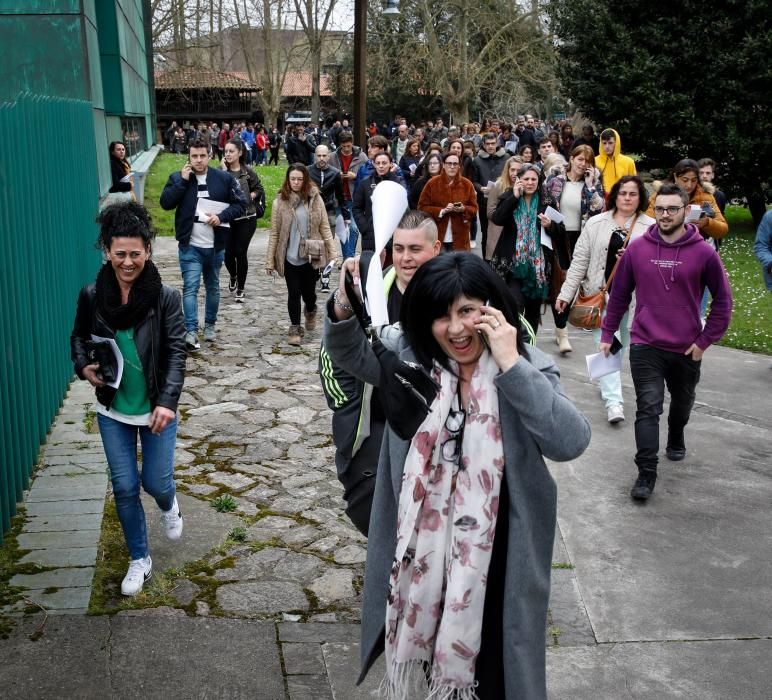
451,163
659,211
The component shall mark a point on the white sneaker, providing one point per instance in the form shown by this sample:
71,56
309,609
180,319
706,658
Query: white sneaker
616,414
172,521
473,244
140,570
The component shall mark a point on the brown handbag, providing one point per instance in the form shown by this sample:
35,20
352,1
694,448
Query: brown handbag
587,311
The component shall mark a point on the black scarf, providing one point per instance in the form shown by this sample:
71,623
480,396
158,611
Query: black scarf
143,296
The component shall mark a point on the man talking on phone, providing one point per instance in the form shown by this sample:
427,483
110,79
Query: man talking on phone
194,192
669,268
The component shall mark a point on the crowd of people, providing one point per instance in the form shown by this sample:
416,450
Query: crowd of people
447,597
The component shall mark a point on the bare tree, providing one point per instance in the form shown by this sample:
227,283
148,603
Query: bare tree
272,17
314,16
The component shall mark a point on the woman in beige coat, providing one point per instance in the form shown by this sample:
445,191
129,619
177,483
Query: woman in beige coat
595,254
299,245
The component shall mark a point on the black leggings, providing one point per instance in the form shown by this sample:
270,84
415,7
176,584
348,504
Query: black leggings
274,155
530,308
236,249
565,253
301,282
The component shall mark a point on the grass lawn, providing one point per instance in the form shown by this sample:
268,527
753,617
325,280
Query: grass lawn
751,327
167,163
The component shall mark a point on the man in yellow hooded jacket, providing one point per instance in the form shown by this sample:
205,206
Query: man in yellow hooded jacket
612,164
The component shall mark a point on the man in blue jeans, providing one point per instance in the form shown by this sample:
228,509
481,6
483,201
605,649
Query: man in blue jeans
201,236
669,268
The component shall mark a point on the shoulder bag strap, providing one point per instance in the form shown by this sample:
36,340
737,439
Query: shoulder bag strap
616,264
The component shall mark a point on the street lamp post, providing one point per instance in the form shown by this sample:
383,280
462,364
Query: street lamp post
360,65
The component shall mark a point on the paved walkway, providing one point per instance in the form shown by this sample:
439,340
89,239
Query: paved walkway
667,600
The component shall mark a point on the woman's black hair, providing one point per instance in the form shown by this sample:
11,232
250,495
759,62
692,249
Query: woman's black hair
112,145
239,144
434,288
643,198
125,219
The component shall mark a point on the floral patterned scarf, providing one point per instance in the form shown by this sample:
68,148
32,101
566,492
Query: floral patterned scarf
445,527
528,261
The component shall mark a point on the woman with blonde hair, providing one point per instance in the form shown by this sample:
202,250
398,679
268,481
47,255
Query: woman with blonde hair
503,184
299,245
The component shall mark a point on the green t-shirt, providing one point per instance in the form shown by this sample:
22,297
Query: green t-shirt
132,398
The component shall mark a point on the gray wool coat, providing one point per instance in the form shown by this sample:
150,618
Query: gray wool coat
537,421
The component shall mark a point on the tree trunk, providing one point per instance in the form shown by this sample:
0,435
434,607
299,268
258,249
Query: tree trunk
316,56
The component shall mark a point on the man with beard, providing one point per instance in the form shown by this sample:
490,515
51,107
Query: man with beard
669,268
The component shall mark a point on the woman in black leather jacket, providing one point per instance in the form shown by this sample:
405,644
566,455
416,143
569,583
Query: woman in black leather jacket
134,323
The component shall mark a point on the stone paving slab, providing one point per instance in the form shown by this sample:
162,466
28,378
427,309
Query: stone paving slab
58,578
68,507
342,662
74,556
704,670
75,598
58,540
63,523
95,490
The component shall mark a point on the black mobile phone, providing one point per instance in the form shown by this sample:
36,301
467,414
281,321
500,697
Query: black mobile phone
616,346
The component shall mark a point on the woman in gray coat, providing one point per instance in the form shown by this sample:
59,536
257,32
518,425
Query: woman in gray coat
459,554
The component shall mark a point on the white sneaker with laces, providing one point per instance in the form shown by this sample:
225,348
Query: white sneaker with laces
616,414
172,521
140,570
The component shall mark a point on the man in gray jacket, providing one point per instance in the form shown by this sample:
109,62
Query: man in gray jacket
488,165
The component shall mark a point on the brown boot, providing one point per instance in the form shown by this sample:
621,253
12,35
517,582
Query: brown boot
294,335
561,338
310,319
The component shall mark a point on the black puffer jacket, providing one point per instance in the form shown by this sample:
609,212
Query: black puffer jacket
160,340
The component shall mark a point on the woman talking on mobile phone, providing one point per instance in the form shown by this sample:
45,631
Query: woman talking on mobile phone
463,520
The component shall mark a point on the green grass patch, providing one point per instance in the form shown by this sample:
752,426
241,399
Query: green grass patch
224,503
166,163
751,326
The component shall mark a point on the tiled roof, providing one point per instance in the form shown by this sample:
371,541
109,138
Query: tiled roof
197,77
298,84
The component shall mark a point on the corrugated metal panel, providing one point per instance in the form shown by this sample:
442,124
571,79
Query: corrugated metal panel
47,234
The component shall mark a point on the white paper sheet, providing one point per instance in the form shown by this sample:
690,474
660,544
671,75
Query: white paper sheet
127,178
554,215
341,230
490,184
206,207
598,365
546,239
118,358
694,213
389,204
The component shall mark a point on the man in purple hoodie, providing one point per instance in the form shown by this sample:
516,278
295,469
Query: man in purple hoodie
669,268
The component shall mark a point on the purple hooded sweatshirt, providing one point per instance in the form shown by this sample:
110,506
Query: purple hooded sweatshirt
669,280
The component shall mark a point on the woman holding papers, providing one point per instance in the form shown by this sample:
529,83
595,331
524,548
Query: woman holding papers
578,195
299,245
463,520
121,173
595,255
410,162
133,323
242,228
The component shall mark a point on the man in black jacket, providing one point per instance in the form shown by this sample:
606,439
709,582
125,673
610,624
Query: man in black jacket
488,164
330,183
300,147
201,235
363,204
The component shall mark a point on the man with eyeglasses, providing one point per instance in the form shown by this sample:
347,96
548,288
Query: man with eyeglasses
669,268
450,199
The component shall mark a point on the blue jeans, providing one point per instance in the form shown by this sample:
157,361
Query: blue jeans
195,262
120,444
349,248
652,370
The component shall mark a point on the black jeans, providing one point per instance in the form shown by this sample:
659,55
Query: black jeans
236,249
652,369
274,155
301,282
482,208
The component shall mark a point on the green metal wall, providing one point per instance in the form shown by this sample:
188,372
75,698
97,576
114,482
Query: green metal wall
47,234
